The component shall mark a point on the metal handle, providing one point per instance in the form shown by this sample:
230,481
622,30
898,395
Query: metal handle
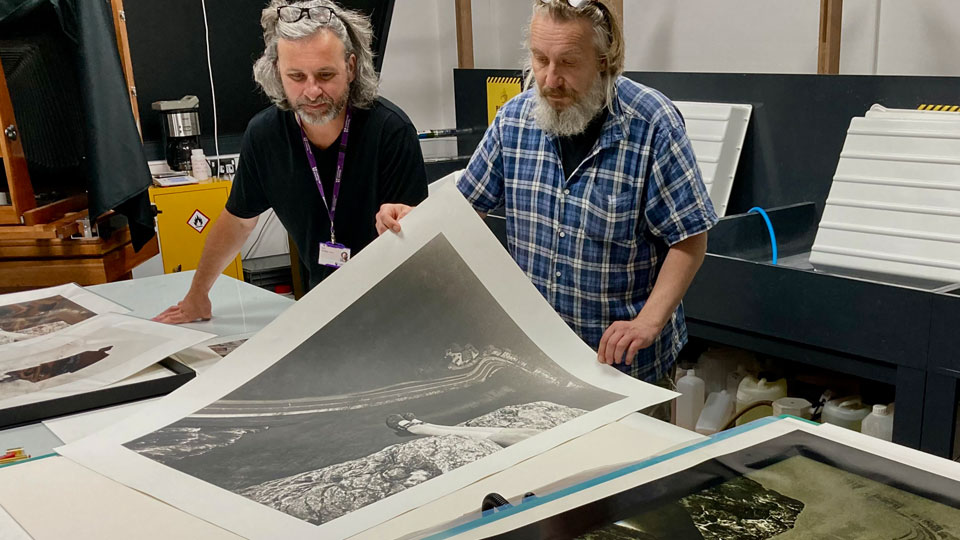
11,132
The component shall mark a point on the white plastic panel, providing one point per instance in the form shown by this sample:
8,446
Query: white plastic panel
879,111
716,132
894,207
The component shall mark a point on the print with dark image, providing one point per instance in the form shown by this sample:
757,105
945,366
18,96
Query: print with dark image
380,400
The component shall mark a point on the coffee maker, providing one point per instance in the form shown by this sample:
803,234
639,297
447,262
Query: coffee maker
181,130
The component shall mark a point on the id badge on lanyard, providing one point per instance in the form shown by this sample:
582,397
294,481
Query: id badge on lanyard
332,254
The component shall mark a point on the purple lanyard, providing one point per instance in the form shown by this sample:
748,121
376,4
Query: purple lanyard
332,206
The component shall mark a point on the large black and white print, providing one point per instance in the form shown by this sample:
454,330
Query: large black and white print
423,374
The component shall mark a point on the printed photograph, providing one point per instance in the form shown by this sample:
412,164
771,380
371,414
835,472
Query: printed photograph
793,486
27,370
91,354
423,374
796,499
25,320
225,348
55,368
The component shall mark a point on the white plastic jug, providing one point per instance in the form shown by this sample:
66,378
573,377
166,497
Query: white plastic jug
752,390
847,412
717,411
690,402
879,423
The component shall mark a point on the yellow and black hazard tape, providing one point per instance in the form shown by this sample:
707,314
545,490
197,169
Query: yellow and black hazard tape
940,108
503,80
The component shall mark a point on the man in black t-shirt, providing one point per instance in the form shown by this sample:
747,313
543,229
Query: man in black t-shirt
324,157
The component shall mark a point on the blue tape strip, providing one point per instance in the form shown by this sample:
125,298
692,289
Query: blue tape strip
804,420
773,235
537,501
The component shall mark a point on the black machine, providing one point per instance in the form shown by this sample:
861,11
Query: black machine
181,130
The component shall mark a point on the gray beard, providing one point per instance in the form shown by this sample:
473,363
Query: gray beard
575,118
319,119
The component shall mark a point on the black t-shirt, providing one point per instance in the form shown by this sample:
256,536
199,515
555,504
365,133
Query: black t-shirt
383,164
575,148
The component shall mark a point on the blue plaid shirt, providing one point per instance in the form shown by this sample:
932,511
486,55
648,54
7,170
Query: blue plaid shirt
593,244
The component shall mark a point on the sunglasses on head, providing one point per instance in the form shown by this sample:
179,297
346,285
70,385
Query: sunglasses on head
581,5
575,4
292,14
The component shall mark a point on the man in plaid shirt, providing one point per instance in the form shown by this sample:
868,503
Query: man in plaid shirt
605,205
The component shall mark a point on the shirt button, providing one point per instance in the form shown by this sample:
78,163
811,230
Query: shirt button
566,192
559,274
562,234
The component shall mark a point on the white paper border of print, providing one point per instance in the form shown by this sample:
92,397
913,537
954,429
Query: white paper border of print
10,529
682,462
71,291
447,213
114,368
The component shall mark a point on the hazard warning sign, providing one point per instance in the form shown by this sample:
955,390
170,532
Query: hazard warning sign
198,221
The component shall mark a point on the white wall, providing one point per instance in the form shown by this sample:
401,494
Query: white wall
919,37
732,35
498,33
890,37
858,52
418,65
749,36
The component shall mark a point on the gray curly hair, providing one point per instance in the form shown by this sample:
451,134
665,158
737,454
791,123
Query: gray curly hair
351,27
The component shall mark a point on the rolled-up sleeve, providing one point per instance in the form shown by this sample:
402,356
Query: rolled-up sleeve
482,182
677,203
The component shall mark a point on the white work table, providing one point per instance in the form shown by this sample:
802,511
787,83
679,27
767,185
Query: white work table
238,307
54,498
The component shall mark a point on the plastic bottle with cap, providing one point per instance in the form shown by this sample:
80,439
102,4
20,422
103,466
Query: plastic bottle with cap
198,164
690,402
879,423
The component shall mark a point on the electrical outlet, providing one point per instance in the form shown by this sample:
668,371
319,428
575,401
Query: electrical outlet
228,167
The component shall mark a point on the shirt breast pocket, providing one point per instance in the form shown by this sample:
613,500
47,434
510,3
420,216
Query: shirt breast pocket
611,217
